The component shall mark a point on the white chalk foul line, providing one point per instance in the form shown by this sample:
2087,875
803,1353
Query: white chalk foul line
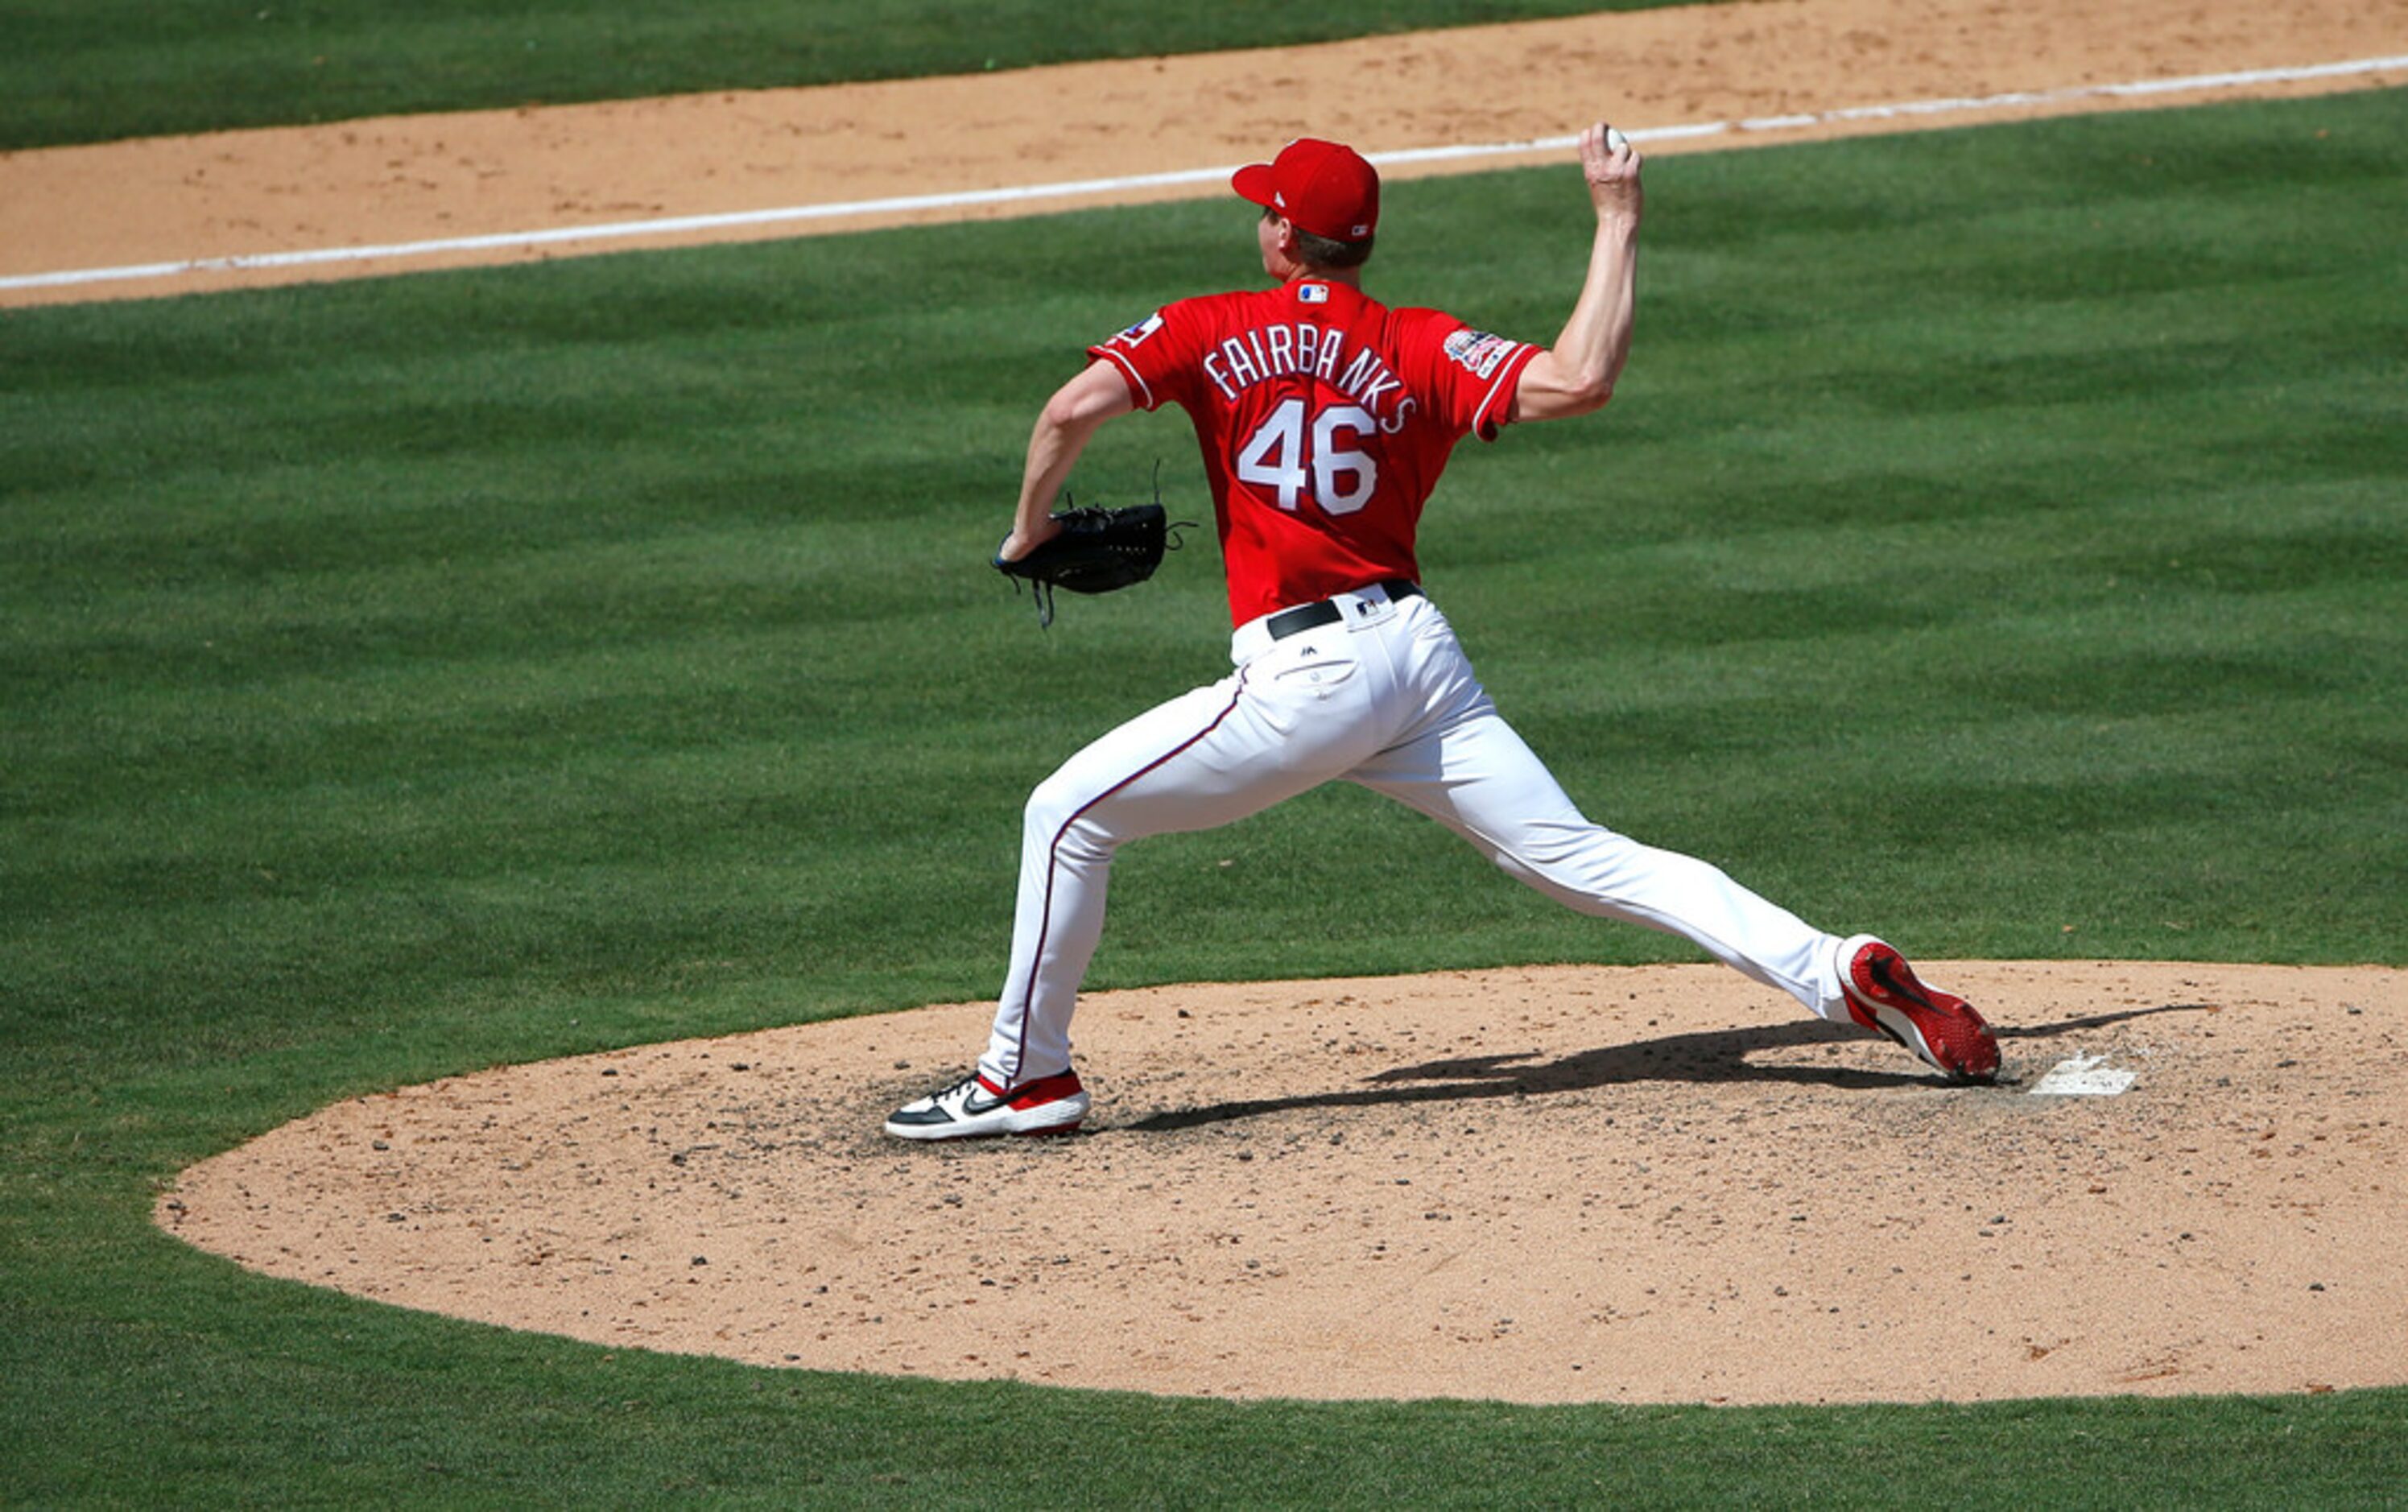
976,198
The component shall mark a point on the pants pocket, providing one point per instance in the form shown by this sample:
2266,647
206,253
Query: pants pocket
1317,678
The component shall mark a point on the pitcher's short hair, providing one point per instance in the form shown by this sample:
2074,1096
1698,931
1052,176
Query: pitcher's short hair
1322,251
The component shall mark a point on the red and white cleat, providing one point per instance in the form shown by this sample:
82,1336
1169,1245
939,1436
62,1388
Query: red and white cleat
1943,1030
974,1108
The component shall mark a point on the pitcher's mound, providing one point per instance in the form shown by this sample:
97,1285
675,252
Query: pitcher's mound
1543,1185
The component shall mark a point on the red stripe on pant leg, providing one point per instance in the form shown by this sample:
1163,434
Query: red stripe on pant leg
1053,848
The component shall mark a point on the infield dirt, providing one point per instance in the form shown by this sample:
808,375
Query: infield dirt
1541,1184
382,182
1557,1184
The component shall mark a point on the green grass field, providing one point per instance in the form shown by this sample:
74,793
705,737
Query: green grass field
1998,538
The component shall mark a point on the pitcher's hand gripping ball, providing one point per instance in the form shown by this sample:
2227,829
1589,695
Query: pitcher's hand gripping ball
1096,551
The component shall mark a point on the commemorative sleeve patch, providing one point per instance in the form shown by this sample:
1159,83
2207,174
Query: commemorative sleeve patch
1479,352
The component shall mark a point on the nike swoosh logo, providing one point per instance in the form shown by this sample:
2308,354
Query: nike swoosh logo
973,1107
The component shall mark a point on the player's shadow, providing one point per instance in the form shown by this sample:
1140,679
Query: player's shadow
1713,1055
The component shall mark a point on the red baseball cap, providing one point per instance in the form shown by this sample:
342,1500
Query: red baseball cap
1322,187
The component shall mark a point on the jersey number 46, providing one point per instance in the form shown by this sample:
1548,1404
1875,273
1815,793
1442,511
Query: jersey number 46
1286,455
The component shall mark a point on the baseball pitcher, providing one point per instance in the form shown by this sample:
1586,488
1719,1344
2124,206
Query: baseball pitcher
1325,418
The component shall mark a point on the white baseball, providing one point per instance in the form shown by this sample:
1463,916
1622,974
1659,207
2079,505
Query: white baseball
1615,140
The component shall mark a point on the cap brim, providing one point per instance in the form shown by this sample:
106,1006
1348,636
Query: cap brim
1254,182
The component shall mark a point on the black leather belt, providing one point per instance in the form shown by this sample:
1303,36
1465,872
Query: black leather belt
1302,617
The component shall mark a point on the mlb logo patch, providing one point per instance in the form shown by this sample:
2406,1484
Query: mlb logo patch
1312,294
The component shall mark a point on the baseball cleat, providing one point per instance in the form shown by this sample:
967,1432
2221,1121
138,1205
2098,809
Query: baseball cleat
1941,1029
975,1108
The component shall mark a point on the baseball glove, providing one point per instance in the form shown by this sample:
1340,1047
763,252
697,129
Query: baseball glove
1096,551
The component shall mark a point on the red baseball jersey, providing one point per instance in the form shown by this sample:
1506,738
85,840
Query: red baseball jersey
1324,419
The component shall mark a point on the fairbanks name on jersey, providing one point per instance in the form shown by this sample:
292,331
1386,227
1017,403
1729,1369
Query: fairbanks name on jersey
1286,349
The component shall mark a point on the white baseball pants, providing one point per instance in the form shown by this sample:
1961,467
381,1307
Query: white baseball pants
1386,698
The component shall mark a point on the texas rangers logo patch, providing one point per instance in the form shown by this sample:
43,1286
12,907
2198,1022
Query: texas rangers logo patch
1138,333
